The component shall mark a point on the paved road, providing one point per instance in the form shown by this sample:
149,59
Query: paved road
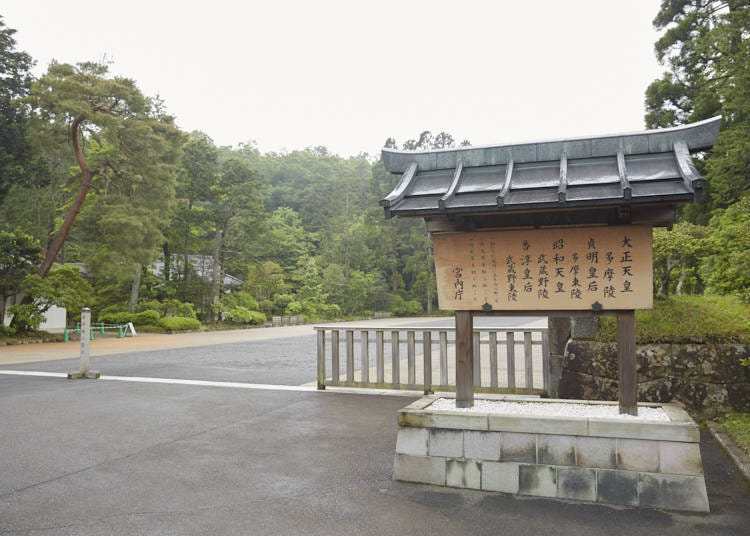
103,457
111,457
282,356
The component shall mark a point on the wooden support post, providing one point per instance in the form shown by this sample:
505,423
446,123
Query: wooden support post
628,383
464,359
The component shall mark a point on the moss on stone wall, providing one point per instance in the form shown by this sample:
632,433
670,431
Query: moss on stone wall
707,378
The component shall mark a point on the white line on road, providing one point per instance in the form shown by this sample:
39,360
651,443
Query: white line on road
234,385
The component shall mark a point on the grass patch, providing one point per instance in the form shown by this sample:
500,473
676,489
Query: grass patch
737,426
687,319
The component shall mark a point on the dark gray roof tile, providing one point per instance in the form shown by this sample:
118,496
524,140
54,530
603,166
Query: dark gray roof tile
644,167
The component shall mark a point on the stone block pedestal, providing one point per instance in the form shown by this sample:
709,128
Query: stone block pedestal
650,464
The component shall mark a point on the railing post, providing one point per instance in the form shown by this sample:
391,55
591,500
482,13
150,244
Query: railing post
427,361
528,362
410,357
493,359
365,354
335,369
321,359
510,350
443,358
349,355
379,357
395,360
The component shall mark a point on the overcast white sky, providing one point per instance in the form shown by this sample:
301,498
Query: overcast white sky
347,74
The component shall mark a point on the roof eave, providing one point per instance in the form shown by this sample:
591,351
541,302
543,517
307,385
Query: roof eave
697,136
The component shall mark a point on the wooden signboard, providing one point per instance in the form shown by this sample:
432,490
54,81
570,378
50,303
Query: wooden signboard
600,268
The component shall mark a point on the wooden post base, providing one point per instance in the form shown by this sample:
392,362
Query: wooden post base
464,359
627,376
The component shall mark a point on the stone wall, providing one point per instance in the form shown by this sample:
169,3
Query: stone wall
706,378
649,464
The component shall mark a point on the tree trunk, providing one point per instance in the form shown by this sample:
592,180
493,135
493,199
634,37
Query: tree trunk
666,280
135,289
186,259
167,272
681,280
217,276
87,175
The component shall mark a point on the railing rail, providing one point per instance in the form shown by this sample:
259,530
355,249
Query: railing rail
506,359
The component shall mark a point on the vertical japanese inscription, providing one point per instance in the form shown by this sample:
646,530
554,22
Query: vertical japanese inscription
545,269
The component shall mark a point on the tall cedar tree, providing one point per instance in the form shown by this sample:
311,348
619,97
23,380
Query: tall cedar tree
706,48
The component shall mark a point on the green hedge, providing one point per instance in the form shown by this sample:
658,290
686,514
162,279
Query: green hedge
179,323
144,318
687,319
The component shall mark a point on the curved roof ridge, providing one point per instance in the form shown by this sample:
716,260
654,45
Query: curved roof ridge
697,136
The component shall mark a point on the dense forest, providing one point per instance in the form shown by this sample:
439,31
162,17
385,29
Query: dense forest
105,202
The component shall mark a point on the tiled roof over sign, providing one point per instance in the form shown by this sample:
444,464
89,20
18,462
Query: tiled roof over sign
653,166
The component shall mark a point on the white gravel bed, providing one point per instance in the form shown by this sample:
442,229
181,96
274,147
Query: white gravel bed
549,409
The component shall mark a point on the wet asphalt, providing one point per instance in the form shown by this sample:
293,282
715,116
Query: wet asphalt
91,457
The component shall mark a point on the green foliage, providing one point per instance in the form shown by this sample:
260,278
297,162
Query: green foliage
185,310
266,280
313,310
737,426
178,323
15,150
27,316
19,257
143,318
6,332
400,307
687,319
727,268
302,228
239,307
676,255
705,47
169,307
126,150
63,287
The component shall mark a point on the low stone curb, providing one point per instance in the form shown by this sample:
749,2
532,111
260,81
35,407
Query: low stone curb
740,459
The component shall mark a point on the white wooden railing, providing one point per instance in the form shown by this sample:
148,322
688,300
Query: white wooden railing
506,360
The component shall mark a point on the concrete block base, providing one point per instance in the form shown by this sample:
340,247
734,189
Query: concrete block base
649,464
89,375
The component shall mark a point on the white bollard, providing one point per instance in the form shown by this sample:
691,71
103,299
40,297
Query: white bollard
85,347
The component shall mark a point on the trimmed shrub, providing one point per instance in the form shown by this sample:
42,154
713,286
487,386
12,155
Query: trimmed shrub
239,307
116,318
399,307
243,315
149,318
179,323
186,310
144,318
